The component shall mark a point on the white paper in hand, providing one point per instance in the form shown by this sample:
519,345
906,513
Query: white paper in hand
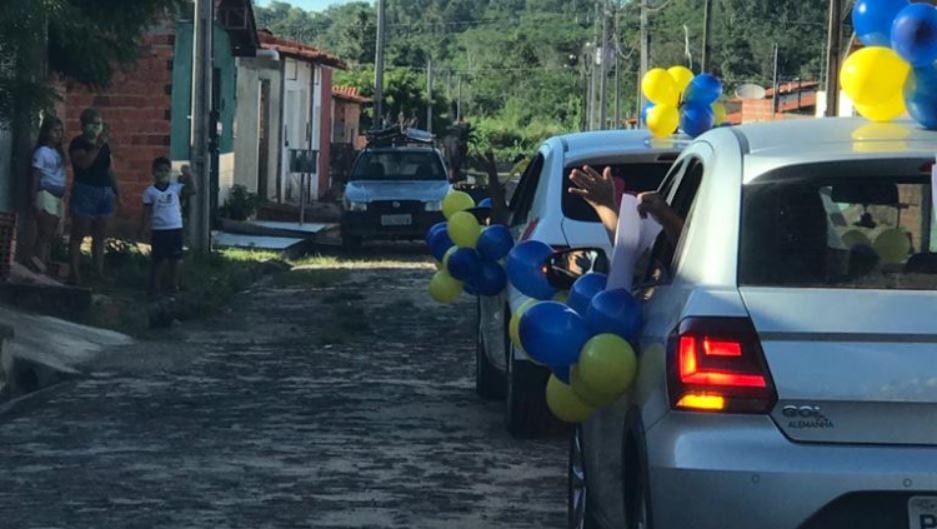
633,236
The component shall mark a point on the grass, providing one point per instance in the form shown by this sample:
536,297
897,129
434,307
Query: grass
362,262
208,284
310,278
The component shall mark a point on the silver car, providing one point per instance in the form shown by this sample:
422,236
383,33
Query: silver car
788,366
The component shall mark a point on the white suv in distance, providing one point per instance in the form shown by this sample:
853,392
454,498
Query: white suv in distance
543,210
788,367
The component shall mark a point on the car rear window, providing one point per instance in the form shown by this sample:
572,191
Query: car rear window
399,165
632,178
839,232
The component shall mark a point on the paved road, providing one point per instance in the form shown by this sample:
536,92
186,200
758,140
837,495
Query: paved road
348,403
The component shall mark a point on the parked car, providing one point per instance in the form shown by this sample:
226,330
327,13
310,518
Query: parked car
543,210
787,365
395,190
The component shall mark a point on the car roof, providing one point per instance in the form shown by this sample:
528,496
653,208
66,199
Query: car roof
771,145
405,149
615,142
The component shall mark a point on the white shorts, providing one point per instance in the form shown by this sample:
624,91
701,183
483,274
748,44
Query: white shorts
51,204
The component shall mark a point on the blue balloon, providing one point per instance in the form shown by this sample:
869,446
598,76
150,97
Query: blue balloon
584,289
553,334
486,203
696,118
469,286
704,89
439,244
615,312
436,228
495,242
562,373
491,278
873,19
525,269
464,264
920,96
914,34
647,108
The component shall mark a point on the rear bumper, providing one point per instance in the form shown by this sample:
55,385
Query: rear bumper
735,472
367,225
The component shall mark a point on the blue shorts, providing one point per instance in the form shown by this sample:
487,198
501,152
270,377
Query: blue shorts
166,244
91,201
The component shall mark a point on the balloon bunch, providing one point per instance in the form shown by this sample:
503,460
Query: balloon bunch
897,71
585,341
679,99
467,255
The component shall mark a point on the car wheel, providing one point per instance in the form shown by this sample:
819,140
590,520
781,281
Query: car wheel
527,413
580,516
489,381
351,242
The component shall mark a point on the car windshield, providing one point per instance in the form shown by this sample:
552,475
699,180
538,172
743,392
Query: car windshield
399,165
630,178
839,232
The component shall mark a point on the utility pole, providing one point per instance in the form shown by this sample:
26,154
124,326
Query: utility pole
429,94
833,53
603,70
593,81
458,112
379,64
707,34
777,87
645,59
201,120
615,48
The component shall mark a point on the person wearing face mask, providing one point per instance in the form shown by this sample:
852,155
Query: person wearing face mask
94,194
162,213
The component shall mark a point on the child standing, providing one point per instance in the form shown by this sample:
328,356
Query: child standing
48,188
162,212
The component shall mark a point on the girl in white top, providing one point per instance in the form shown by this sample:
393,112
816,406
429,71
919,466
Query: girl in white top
48,172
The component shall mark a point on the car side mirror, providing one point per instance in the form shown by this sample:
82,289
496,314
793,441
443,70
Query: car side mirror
482,214
565,267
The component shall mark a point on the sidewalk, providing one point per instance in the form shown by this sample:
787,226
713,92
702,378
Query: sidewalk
43,350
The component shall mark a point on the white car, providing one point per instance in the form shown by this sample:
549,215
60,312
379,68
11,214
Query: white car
543,210
788,365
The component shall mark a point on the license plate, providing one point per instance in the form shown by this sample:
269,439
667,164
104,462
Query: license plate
922,512
396,220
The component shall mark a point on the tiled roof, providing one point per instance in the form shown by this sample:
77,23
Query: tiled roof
298,50
349,93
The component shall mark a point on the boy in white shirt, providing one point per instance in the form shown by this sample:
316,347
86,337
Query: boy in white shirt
162,212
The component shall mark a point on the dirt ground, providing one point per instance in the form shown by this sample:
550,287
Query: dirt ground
337,395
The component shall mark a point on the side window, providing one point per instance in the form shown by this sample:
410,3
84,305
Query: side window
523,198
643,270
660,265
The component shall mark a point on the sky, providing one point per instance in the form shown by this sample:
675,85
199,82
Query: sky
309,5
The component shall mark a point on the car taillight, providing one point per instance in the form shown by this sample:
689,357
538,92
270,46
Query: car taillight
717,364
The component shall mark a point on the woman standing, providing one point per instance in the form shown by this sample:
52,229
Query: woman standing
94,195
48,171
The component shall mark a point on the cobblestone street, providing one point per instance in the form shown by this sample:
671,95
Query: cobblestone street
343,401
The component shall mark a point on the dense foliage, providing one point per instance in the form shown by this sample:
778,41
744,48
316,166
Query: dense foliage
522,63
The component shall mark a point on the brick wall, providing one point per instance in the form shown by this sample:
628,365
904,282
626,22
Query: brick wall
137,107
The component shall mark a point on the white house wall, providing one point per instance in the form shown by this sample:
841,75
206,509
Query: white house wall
298,122
247,124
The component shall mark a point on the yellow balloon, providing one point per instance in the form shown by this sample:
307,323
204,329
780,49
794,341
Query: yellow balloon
663,120
682,76
893,246
874,76
720,112
464,229
885,112
855,238
659,87
585,393
561,297
608,365
455,202
438,264
514,326
444,288
564,404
